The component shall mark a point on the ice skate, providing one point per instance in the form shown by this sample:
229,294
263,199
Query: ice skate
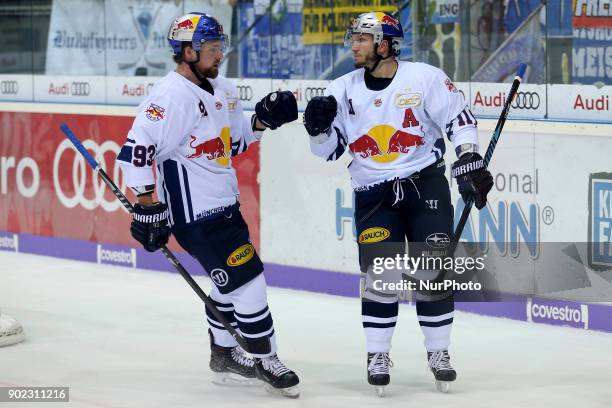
378,371
11,331
232,366
277,378
439,364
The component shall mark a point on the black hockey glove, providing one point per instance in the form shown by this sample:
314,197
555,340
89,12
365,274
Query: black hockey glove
473,179
276,109
319,115
150,226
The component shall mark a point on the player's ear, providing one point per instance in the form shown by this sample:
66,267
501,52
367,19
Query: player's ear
189,55
385,47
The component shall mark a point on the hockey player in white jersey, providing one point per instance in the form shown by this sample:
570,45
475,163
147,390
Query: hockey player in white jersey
188,129
391,117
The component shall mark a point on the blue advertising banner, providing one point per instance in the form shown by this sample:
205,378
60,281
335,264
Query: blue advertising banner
275,45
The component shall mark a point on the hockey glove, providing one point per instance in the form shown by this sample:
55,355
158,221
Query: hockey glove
473,179
319,115
276,109
150,226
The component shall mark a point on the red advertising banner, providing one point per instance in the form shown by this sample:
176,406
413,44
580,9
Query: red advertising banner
47,189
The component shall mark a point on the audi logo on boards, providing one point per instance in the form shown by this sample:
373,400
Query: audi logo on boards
80,174
311,92
9,87
245,92
526,100
79,88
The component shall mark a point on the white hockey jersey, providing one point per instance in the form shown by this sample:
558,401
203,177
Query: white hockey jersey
192,136
397,131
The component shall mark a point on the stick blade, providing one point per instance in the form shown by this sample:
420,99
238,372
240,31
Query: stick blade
521,70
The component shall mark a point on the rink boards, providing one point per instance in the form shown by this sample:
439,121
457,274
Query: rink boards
553,182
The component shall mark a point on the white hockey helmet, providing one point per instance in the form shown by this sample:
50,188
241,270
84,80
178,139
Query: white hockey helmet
381,26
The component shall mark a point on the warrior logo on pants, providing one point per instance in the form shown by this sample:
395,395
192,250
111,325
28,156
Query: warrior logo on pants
219,276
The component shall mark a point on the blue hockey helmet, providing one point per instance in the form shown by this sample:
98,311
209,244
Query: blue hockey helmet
195,28
381,26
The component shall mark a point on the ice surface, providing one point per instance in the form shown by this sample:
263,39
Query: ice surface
131,338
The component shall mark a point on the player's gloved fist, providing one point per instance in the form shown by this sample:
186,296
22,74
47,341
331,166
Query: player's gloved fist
473,179
319,115
150,226
276,109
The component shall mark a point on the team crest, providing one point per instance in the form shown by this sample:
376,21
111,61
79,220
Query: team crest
377,102
451,87
155,112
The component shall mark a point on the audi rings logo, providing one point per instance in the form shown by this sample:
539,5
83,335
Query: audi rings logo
9,87
311,92
79,88
245,92
526,100
76,195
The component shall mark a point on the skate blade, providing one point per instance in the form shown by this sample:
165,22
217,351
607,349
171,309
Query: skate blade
235,380
380,391
443,386
289,392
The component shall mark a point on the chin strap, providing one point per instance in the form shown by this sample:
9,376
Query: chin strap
378,59
194,70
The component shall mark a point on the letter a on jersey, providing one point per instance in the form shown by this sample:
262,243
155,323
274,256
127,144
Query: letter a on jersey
409,119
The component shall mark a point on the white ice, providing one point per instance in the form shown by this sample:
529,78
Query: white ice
132,338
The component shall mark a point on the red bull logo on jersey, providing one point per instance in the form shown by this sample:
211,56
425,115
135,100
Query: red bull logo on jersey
401,142
217,149
155,112
384,144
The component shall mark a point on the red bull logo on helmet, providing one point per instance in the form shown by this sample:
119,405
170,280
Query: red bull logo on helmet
387,19
217,149
384,144
188,24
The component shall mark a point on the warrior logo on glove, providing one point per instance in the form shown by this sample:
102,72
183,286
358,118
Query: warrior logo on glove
473,178
150,226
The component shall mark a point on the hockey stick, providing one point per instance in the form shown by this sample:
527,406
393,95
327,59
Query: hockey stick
173,260
487,158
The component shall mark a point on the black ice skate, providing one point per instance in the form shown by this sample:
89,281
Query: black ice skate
439,364
378,371
231,365
277,378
